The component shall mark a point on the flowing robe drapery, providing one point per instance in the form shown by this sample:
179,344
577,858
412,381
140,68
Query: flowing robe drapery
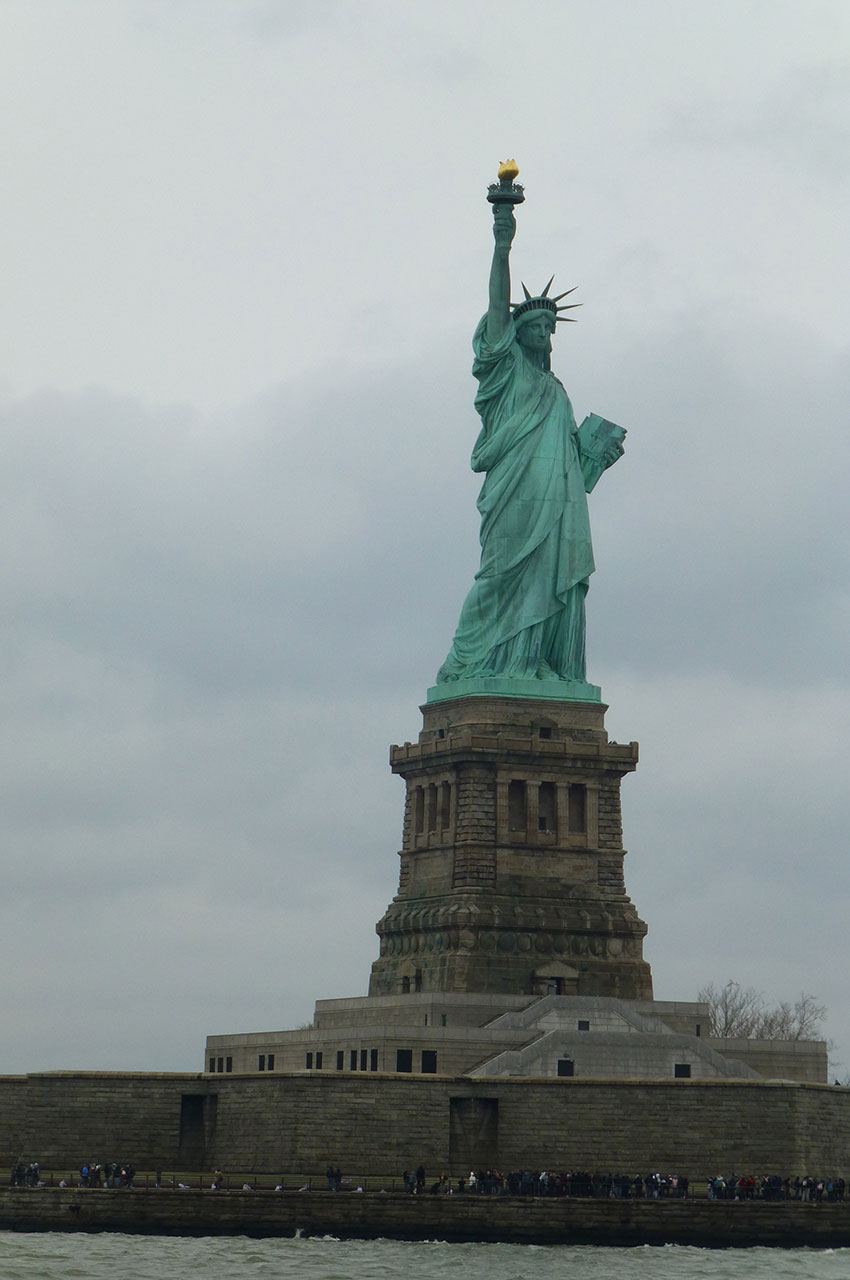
524,615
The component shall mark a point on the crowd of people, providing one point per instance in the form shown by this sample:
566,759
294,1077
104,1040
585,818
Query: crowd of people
518,1182
620,1186
92,1174
545,1182
106,1175
25,1175
773,1187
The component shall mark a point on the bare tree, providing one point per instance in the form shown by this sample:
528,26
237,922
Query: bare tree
737,1012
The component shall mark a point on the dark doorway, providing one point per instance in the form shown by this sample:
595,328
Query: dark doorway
474,1133
197,1129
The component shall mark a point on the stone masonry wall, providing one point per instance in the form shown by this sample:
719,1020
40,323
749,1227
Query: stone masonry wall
525,1219
476,805
610,875
380,1125
610,815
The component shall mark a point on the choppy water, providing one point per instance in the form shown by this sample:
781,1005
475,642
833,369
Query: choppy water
119,1257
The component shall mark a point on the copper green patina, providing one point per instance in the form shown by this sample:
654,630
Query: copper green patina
522,627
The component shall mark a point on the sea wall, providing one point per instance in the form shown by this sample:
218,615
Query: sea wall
711,1224
379,1125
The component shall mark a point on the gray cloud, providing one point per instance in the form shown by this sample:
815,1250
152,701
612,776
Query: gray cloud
239,521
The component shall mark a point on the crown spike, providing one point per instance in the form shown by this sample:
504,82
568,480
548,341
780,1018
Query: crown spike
542,302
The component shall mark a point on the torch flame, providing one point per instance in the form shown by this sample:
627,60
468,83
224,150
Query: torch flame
508,171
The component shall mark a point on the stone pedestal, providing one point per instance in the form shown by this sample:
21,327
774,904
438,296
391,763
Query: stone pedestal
512,861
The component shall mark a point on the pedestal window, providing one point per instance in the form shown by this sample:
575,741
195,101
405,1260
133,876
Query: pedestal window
516,805
546,808
578,808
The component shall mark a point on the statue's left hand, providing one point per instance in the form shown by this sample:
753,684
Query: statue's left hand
612,453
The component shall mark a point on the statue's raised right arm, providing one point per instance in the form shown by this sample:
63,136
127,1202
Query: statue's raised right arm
499,310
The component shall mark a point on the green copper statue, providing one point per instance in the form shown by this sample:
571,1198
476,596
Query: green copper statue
522,626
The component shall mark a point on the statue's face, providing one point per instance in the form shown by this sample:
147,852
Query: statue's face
535,334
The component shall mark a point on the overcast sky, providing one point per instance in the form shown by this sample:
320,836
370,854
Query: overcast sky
245,246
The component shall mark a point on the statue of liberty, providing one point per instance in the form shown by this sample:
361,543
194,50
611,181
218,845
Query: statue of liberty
524,619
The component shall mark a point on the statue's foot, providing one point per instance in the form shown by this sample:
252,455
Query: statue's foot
545,672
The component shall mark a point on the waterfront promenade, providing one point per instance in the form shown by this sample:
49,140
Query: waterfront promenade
395,1215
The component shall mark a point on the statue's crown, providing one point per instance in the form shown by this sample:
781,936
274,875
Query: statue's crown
542,302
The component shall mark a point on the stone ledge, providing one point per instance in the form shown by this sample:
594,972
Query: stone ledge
612,755
507,687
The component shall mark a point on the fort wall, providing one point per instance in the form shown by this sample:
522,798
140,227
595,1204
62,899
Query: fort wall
380,1125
